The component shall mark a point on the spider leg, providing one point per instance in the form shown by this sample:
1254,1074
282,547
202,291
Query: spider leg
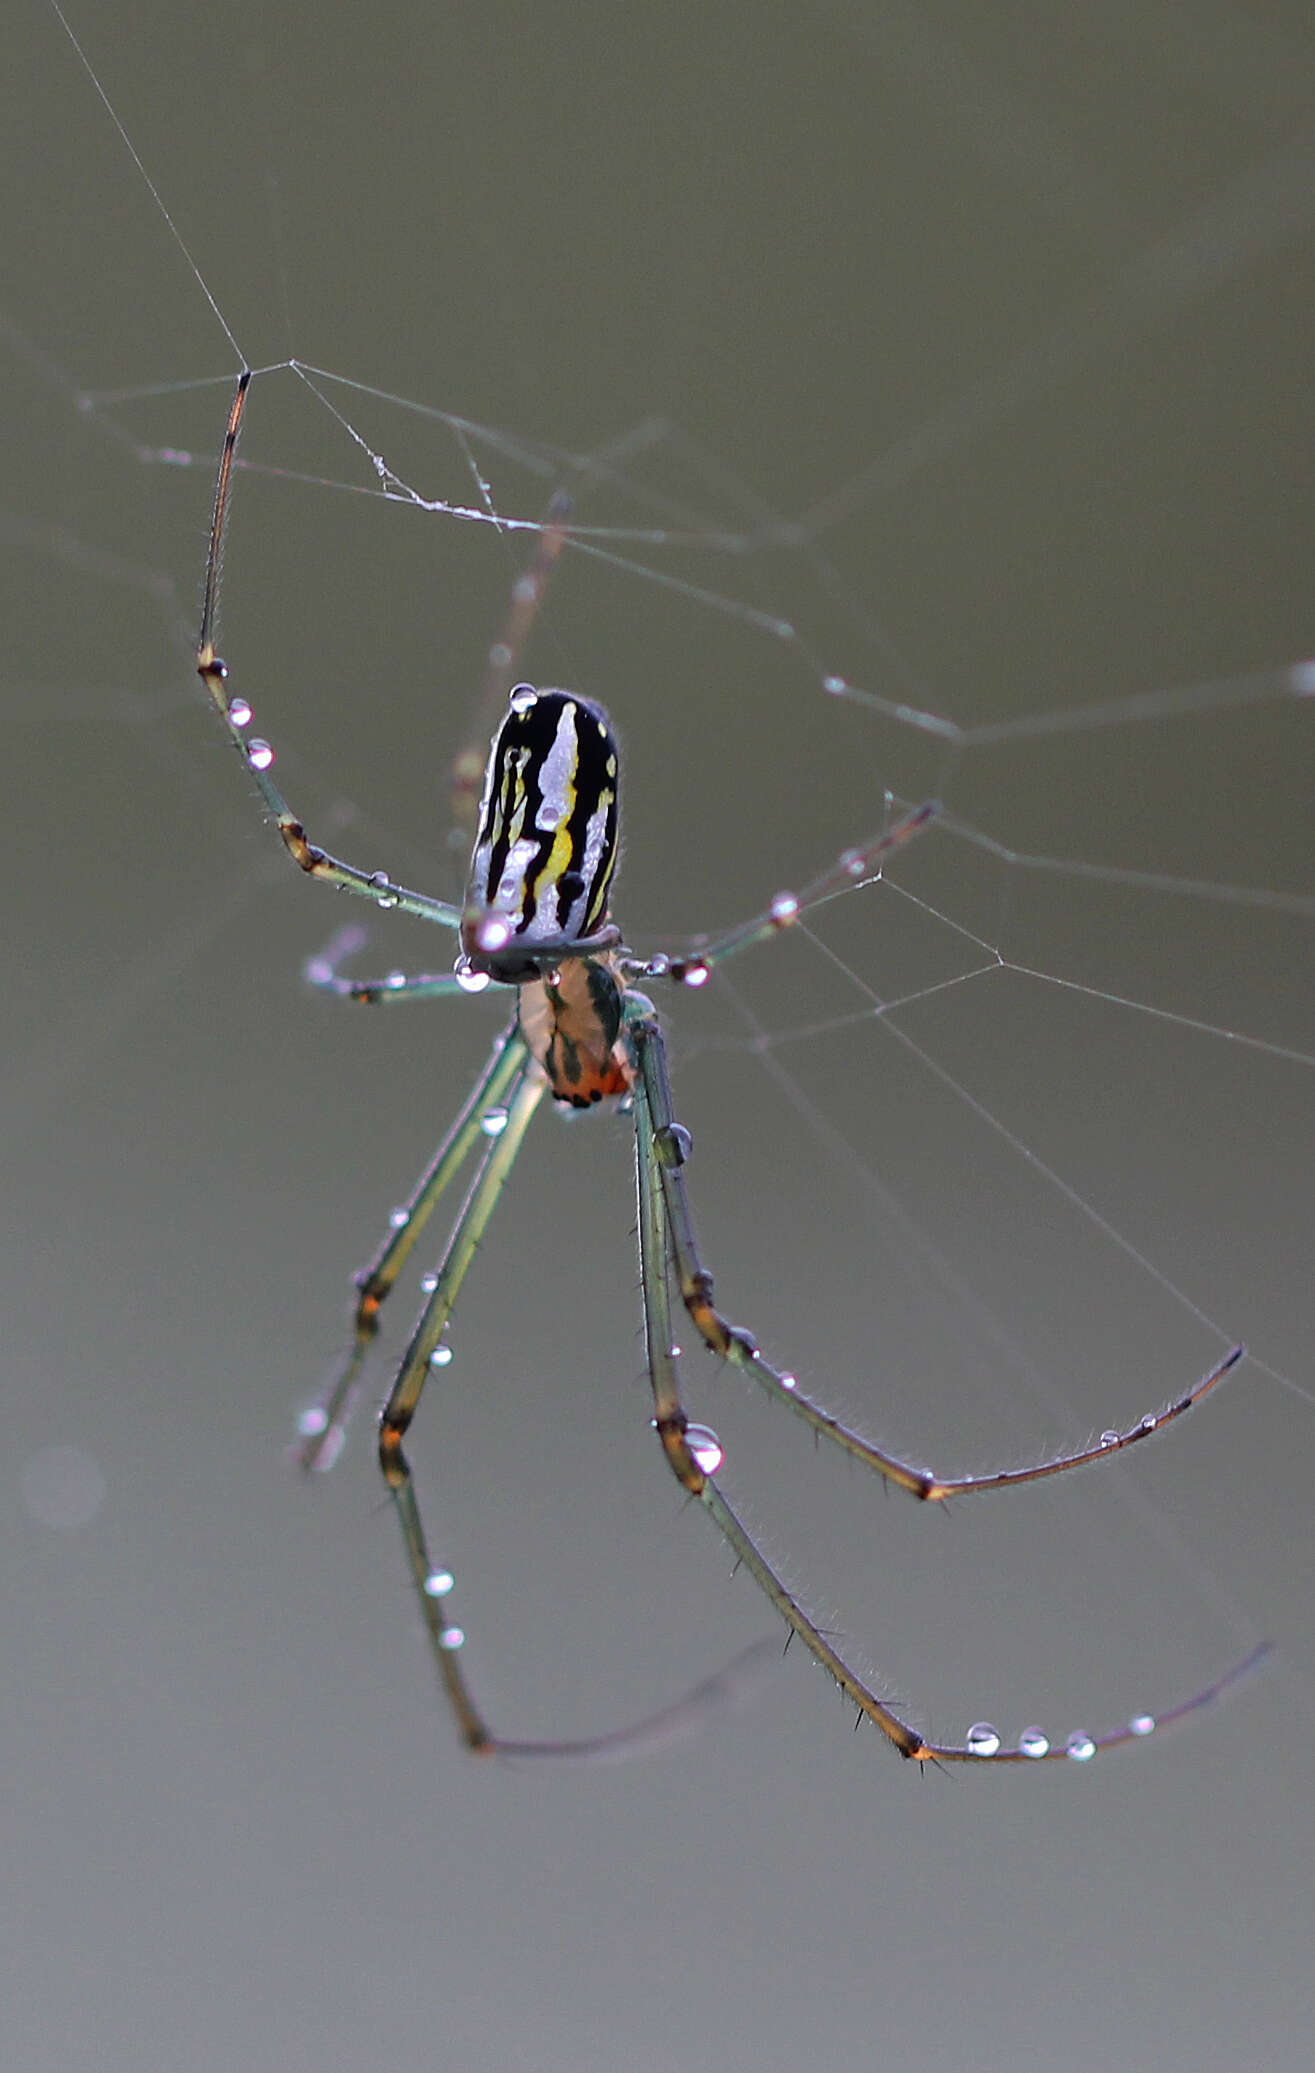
739,1347
851,868
323,972
256,754
692,1453
515,1075
520,1080
324,1428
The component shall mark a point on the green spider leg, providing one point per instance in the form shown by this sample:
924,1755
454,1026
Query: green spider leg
324,1428
256,754
323,973
694,1453
738,1346
512,1076
496,1115
852,867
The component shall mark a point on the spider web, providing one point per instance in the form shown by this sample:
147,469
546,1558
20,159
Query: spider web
997,1151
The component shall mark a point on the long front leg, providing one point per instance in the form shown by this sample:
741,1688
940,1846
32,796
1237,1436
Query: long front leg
257,755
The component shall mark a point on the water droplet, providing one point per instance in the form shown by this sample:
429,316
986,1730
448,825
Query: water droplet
493,933
239,713
1149,1422
438,1583
452,1638
440,1357
259,754
783,909
854,863
1142,1724
399,1218
385,893
696,973
1033,1743
788,1381
1080,1747
982,1738
428,1283
523,696
312,1421
1108,1439
835,685
493,1122
468,981
706,1448
674,1144
395,981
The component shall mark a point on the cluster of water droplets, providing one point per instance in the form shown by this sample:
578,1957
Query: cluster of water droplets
257,751
682,971
983,1739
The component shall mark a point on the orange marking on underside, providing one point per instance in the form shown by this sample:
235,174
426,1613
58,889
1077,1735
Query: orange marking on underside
576,1042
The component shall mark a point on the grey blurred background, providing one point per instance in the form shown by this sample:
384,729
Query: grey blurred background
1021,311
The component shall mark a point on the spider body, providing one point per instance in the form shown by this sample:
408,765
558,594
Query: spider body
537,890
535,917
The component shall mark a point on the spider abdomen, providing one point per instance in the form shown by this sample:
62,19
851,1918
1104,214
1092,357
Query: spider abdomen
546,844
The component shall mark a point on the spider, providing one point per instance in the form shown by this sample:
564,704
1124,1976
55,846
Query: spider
536,919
